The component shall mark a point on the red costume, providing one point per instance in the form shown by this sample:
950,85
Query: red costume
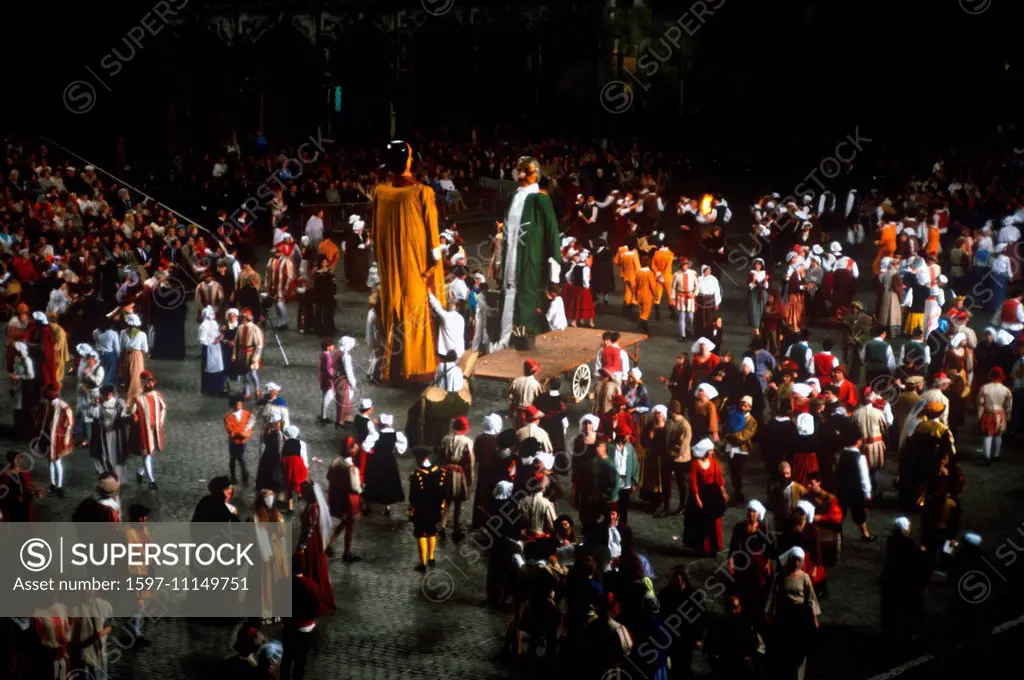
846,392
824,364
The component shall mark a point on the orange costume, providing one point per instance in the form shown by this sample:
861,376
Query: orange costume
408,259
648,288
330,252
238,429
886,244
628,262
932,245
661,264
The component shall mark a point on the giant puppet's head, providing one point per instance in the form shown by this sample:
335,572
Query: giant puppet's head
529,170
398,157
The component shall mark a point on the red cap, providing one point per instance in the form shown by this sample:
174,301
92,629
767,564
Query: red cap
531,366
997,374
460,424
619,400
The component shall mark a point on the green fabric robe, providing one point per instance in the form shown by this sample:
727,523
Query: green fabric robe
539,240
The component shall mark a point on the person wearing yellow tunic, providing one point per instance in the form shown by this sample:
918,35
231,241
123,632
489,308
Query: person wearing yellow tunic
661,264
628,262
647,288
408,255
61,354
886,244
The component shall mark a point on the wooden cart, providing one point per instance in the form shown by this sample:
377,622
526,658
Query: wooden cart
568,354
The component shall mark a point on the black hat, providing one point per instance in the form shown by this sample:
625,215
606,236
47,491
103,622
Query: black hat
397,155
218,484
136,511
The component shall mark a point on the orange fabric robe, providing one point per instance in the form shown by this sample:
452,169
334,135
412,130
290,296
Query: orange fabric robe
406,234
932,246
661,263
886,244
647,289
628,262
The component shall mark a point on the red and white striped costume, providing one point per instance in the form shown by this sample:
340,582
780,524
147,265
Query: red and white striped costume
149,411
56,422
249,345
280,277
208,294
684,290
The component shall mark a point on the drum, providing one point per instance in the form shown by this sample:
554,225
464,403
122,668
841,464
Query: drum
430,417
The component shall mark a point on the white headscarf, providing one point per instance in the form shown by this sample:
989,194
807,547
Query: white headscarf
387,420
636,374
902,523
592,419
40,318
272,387
805,424
695,348
292,432
747,361
502,491
710,391
756,505
701,448
788,557
346,343
802,390
133,320
662,409
493,424
209,312
808,509
85,350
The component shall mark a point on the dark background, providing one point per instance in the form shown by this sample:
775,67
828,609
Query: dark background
769,83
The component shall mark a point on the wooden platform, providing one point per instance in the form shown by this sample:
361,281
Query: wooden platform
557,352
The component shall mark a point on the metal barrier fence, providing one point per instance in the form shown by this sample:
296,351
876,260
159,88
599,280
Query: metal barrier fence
474,208
336,215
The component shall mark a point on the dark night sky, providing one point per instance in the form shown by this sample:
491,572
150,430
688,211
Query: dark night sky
766,73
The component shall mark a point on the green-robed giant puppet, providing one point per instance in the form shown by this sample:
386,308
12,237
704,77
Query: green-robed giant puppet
529,264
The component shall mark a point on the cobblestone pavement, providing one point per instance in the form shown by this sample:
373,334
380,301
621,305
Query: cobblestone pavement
391,623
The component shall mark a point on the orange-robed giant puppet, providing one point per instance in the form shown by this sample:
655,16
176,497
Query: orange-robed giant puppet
408,261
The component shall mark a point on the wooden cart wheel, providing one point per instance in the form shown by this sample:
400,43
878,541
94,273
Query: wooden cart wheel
581,382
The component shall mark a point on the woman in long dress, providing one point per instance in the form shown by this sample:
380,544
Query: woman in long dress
273,567
383,484
345,382
314,535
22,380
213,380
294,464
815,298
110,431
134,348
958,364
890,311
268,470
758,282
706,504
795,312
771,324
751,554
228,333
791,616
802,533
